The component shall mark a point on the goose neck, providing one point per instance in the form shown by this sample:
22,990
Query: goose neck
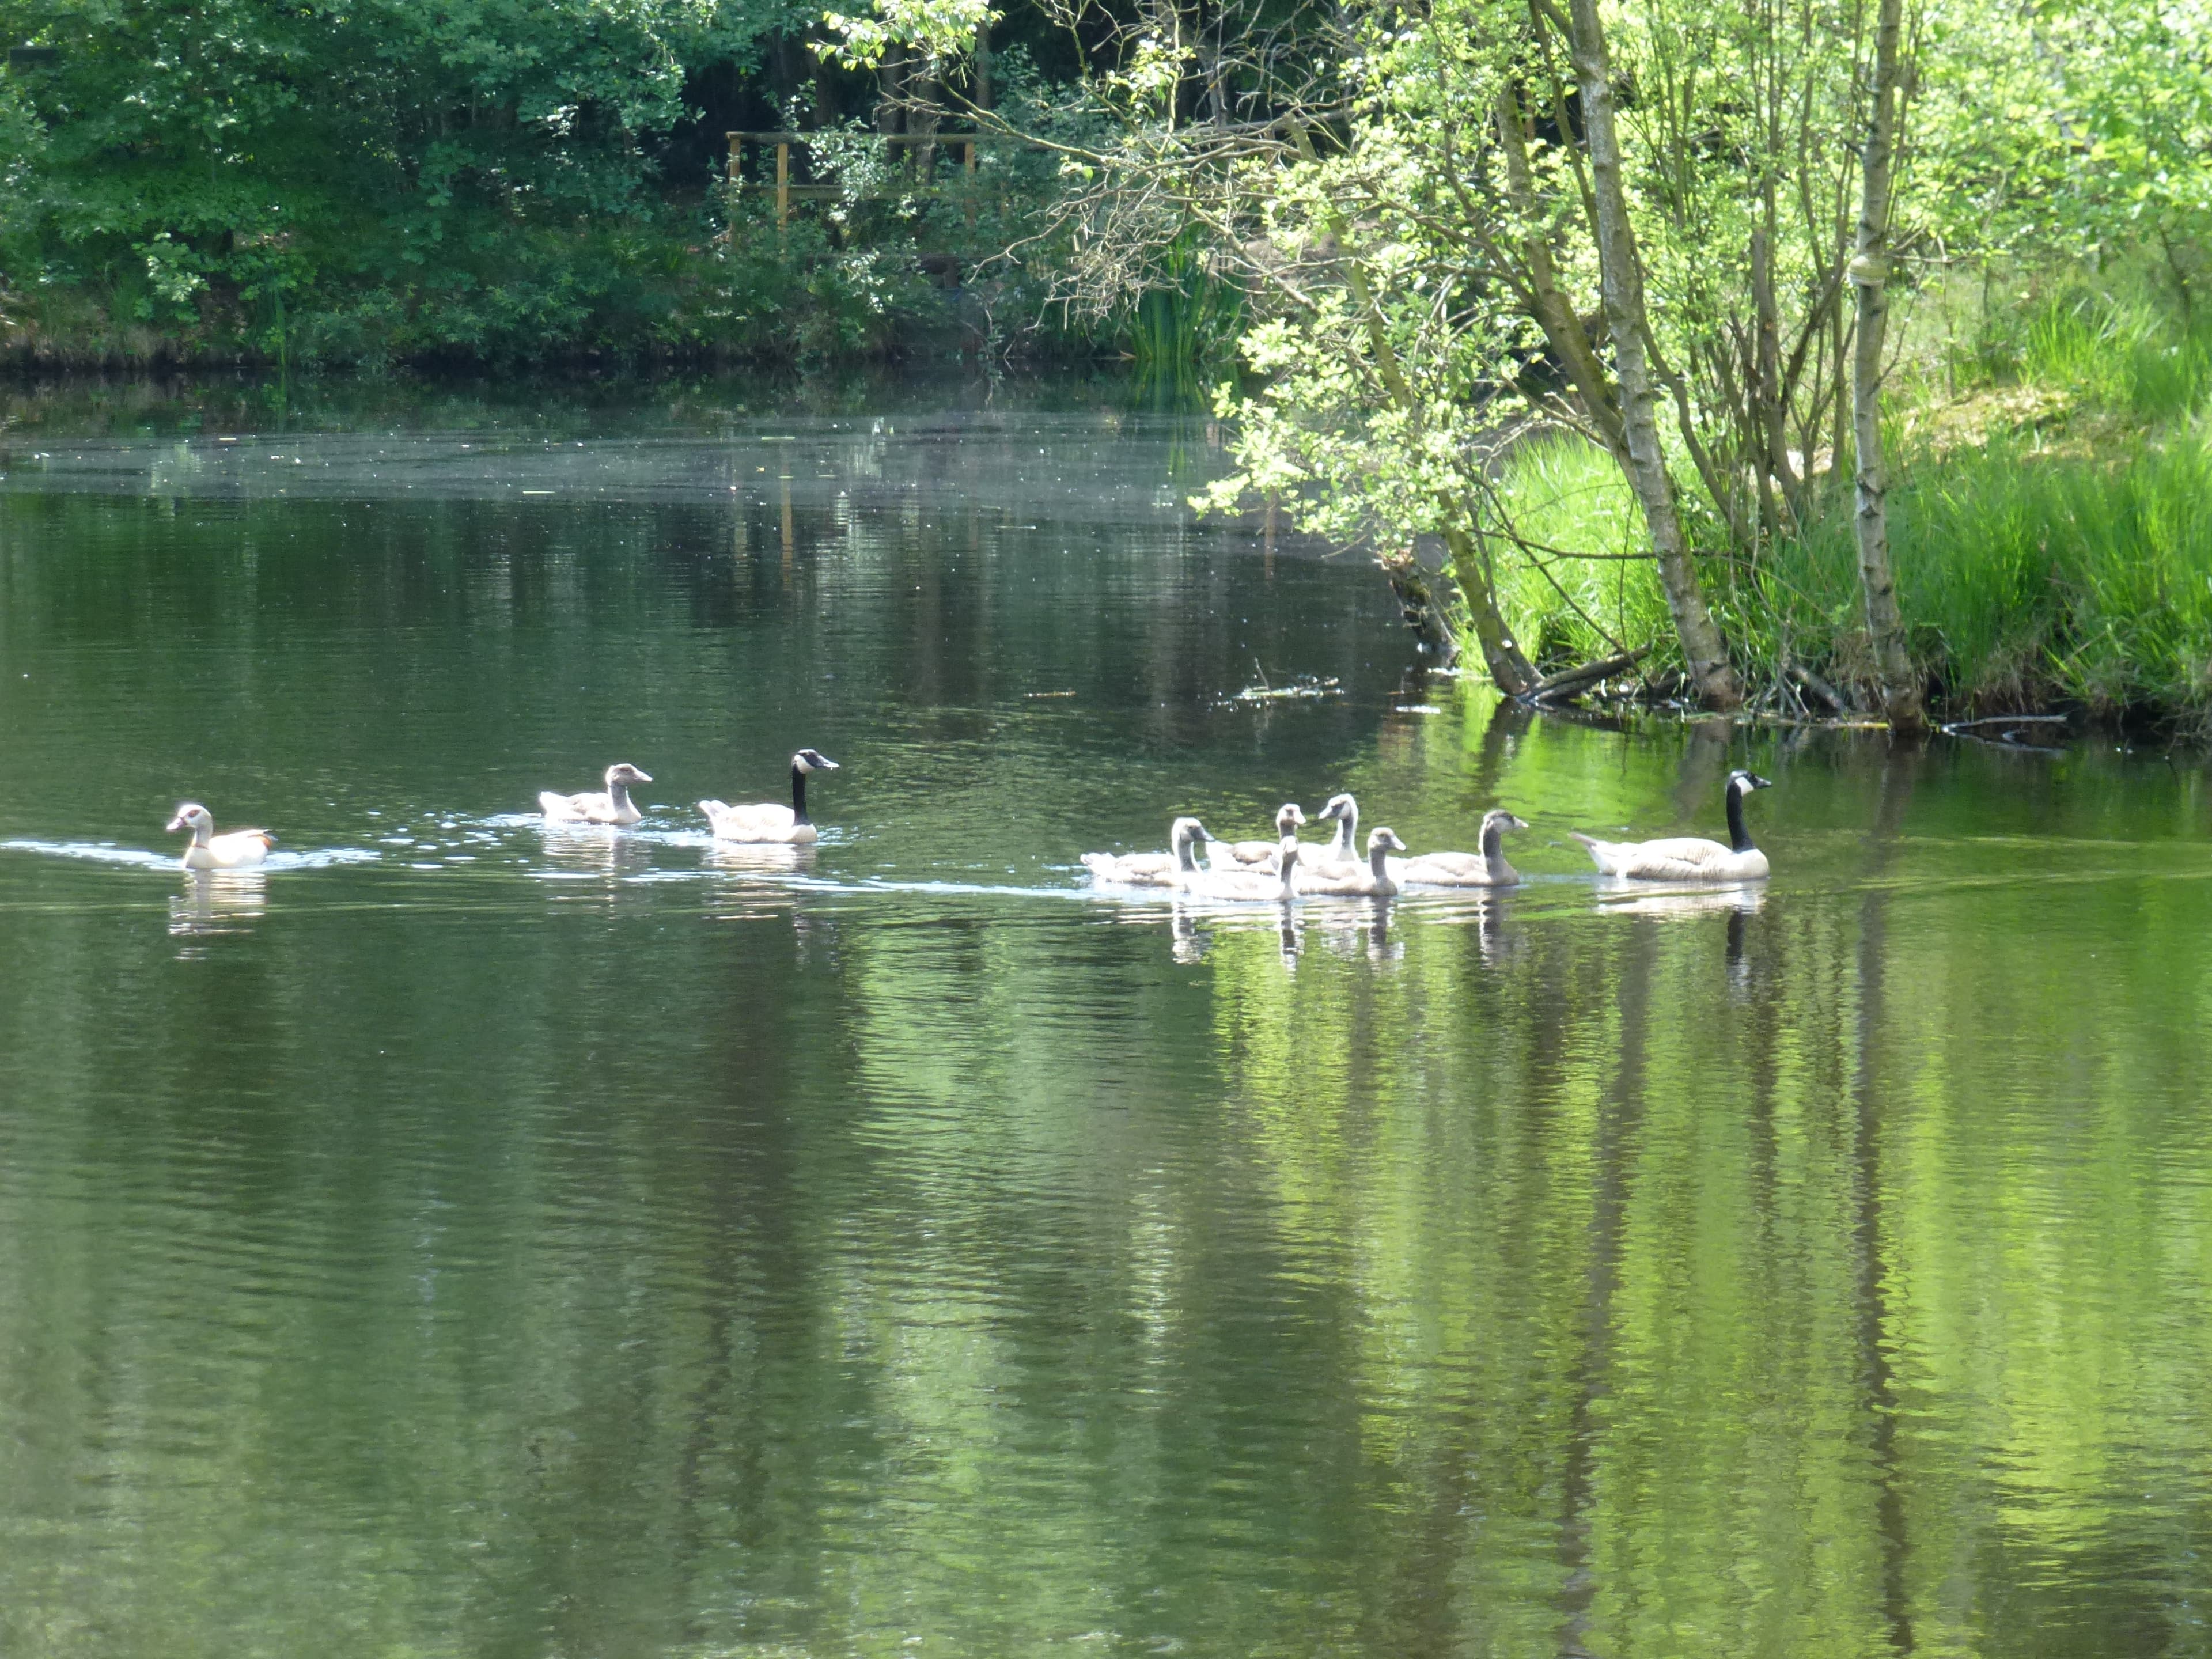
1344,849
1378,861
1739,835
799,795
1493,850
1186,853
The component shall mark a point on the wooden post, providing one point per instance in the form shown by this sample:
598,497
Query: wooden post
737,150
968,161
782,187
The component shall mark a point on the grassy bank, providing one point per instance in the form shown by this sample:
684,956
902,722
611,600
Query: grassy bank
2050,518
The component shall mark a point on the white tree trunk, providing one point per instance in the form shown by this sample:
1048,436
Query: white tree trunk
1869,273
1621,278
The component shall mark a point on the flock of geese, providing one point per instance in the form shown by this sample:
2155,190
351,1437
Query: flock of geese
1265,871
756,823
1284,869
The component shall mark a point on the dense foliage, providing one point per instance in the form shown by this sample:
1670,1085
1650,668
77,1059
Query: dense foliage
385,179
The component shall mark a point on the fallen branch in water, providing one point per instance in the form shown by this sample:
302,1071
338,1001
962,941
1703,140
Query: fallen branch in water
1305,687
1807,681
1588,674
2007,719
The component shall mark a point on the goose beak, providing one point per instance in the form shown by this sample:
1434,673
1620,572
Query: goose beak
175,824
642,777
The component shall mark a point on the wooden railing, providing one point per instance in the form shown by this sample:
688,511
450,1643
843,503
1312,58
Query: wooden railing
786,193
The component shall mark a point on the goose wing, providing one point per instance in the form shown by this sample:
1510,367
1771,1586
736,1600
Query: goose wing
592,808
1680,858
1233,884
1144,869
1246,854
241,847
749,820
1445,870
1337,881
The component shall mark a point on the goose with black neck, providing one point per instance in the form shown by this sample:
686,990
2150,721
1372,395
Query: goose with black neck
1688,858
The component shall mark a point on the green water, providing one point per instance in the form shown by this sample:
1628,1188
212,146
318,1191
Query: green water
462,1240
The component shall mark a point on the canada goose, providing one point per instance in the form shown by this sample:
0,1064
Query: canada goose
1375,881
1255,885
615,806
1152,869
1689,857
209,851
1466,869
1343,848
765,820
1232,855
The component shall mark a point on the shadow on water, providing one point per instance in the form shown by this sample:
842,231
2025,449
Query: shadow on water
500,1239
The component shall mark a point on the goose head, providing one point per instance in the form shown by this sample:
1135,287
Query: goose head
1289,819
1498,819
1183,829
190,815
1339,807
1385,840
1744,782
812,759
623,773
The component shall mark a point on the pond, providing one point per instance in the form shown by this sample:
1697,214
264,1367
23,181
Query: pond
462,1239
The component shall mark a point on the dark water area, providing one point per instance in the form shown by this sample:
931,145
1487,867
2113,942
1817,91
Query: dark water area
463,1238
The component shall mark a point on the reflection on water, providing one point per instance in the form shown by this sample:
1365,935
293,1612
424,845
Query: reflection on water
766,860
593,849
218,901
470,1238
1621,897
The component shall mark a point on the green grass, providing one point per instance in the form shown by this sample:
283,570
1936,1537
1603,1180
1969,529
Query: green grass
2027,578
2031,571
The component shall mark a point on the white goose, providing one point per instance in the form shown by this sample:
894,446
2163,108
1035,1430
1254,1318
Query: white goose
1466,869
1152,869
209,851
1254,886
1373,881
1689,857
1232,855
615,806
767,821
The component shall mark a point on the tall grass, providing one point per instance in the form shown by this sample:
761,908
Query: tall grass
2026,577
2125,357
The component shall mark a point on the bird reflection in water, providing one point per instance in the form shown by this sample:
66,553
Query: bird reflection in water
1487,912
218,901
741,858
1191,933
1359,929
1641,898
1187,943
595,849
751,881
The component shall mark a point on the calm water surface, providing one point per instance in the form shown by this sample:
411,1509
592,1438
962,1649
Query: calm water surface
466,1240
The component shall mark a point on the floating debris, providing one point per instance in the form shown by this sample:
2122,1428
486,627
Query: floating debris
1303,687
